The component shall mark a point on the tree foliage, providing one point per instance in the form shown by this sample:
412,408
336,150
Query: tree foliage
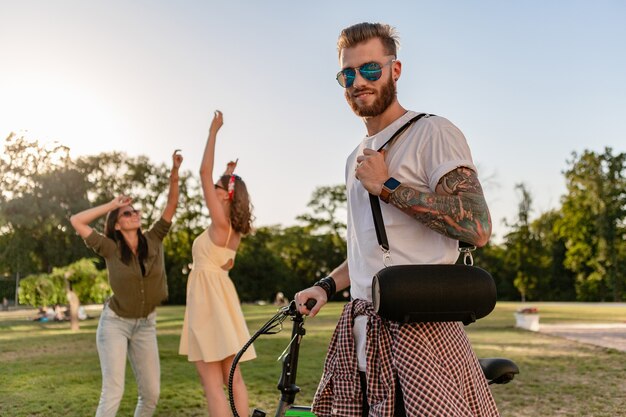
522,249
41,290
40,190
327,203
577,251
82,277
594,210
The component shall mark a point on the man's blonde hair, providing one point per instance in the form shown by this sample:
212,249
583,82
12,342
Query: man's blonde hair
362,32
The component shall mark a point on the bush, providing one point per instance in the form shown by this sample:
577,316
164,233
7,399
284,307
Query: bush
41,290
82,276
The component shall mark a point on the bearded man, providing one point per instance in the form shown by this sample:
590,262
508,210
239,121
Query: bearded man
433,200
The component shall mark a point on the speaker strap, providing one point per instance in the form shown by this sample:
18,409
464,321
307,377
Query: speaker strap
379,223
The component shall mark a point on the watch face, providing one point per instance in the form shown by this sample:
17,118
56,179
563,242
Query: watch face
391,183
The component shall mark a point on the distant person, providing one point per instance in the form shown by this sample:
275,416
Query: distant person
136,271
280,300
50,313
5,304
41,315
214,328
59,313
431,199
82,313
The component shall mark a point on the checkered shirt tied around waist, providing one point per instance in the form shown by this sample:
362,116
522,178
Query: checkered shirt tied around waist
434,363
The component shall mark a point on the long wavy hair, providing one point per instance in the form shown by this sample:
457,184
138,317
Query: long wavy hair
241,217
118,237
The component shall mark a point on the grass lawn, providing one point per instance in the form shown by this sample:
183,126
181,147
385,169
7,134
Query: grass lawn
47,370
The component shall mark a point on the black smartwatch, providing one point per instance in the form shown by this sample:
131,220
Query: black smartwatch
389,187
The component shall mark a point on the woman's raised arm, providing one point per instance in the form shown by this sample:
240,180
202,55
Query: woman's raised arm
219,218
172,196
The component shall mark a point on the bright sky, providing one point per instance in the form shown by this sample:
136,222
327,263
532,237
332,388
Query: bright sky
527,82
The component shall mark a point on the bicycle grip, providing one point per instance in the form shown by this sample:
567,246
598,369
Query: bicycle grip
310,303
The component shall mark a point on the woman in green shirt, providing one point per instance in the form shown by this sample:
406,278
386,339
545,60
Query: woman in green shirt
136,270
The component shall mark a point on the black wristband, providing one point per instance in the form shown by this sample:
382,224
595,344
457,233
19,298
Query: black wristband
328,285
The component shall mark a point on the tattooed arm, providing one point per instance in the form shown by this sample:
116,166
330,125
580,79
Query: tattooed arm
457,209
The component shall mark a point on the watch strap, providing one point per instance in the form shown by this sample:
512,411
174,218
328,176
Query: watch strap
386,191
385,194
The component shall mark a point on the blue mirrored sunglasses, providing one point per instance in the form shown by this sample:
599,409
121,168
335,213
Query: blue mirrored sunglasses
371,71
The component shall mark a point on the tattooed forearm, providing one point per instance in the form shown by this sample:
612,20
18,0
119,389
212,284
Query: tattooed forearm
459,212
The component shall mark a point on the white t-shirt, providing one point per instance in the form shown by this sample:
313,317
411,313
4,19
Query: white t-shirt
418,158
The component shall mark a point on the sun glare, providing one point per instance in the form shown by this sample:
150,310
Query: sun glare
57,110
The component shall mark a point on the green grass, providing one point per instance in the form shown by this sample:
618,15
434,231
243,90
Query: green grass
47,370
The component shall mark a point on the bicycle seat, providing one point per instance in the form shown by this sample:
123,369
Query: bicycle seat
498,370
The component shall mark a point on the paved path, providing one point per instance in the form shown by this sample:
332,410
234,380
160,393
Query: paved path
609,335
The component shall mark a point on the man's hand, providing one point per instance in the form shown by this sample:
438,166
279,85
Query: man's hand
371,170
316,293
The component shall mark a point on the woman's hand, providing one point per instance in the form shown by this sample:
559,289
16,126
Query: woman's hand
80,221
120,201
218,121
230,167
177,159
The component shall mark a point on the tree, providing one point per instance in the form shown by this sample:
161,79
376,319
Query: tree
308,256
40,190
592,225
327,203
559,282
493,258
288,259
259,271
523,250
40,290
326,231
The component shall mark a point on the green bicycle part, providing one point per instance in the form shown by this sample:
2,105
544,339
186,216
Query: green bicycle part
299,411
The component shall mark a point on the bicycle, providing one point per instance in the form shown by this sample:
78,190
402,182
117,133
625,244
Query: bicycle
496,370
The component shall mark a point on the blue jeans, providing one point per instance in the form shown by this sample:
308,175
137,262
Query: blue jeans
117,337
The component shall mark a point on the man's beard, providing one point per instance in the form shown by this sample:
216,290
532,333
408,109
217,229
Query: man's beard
386,96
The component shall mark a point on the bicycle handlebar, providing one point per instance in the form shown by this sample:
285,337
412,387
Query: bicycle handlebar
310,303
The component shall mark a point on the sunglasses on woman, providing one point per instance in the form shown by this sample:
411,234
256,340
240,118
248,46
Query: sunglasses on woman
371,71
129,213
